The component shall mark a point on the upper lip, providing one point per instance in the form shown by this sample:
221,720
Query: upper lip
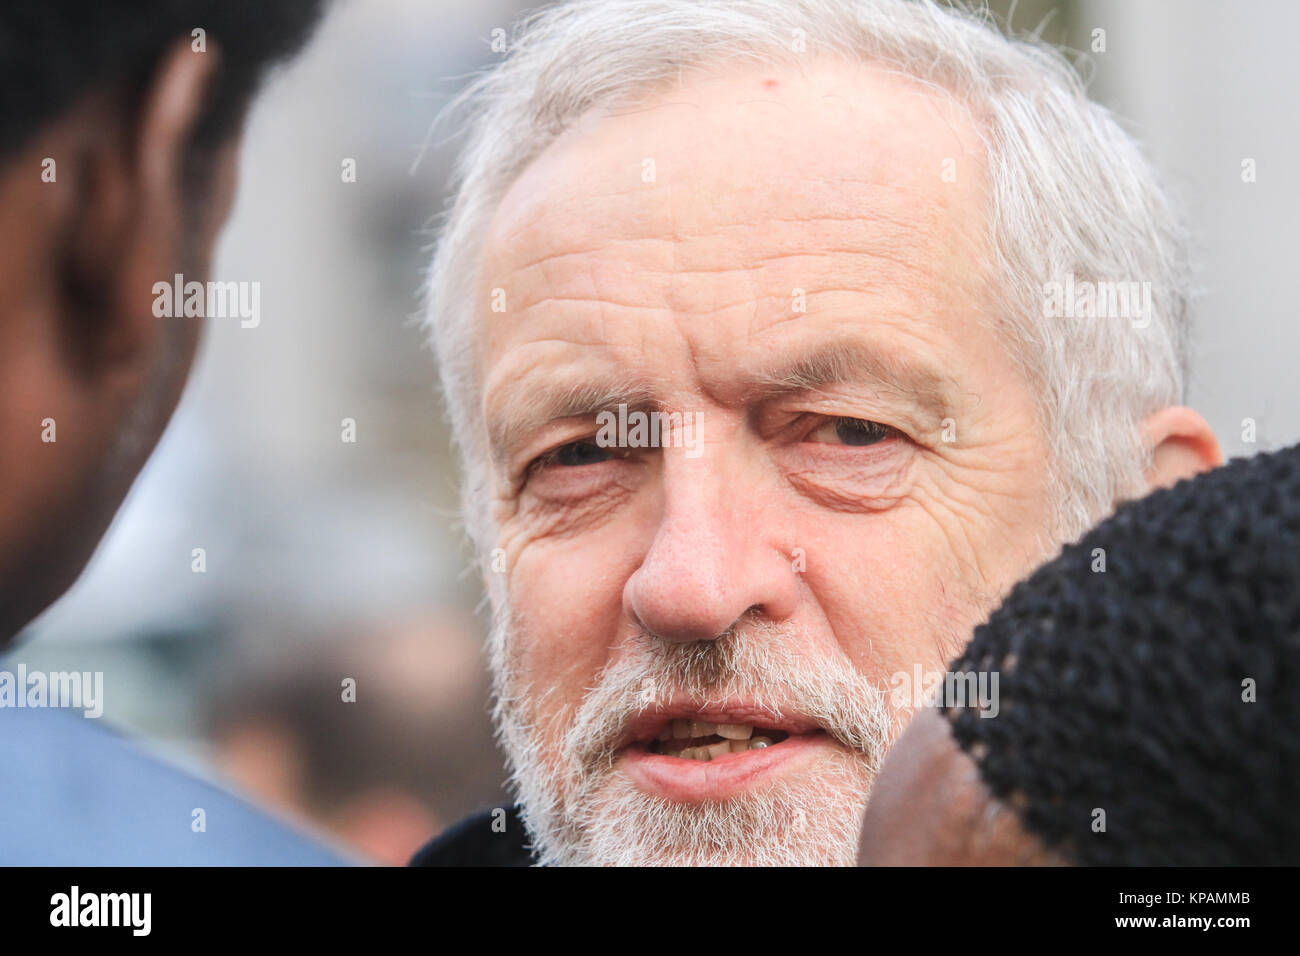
655,717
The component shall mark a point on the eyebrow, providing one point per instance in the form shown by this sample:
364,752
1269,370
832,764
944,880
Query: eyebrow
556,400
845,362
854,361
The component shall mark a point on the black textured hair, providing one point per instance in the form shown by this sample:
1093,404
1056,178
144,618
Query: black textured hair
1164,689
52,52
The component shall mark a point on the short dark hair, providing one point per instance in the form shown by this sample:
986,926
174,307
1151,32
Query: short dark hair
53,51
1164,689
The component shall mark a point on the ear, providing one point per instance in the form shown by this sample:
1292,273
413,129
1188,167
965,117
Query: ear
1182,445
135,222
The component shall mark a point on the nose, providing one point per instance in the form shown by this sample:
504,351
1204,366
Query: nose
714,558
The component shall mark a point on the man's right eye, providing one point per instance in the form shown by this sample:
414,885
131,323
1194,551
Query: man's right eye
573,455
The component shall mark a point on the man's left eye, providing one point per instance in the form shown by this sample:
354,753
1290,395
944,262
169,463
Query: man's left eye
850,431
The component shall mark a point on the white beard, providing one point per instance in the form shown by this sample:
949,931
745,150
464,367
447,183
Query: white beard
580,811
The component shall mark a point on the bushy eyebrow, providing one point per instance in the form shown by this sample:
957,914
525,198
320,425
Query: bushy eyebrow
906,379
528,407
851,362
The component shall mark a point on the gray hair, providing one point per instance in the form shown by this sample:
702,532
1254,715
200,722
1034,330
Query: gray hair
1070,196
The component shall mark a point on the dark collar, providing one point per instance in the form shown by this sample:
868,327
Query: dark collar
494,837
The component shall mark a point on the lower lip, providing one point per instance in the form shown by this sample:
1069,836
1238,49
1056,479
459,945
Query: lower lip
690,781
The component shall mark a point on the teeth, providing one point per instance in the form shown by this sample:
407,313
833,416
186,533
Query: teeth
718,749
735,731
707,752
736,738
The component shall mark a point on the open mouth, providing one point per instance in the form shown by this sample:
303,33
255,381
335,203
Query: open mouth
703,741
688,752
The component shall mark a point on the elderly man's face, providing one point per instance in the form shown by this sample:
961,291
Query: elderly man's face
797,261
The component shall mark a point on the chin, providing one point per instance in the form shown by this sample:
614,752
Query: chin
810,817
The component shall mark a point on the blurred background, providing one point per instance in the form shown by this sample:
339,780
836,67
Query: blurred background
325,559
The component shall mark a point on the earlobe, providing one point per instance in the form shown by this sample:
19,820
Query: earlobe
1182,445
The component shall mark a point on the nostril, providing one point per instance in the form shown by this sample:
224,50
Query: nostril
681,616
682,594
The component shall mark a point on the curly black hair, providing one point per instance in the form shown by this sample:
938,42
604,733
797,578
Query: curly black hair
1152,671
53,51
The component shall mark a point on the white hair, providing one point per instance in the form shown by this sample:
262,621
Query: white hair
581,813
1070,195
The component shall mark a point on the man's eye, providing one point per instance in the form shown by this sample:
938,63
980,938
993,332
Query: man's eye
850,431
574,455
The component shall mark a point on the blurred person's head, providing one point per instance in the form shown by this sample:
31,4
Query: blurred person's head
120,122
1147,712
379,763
823,235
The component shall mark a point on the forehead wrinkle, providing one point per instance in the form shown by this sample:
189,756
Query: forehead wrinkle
867,272
889,257
879,231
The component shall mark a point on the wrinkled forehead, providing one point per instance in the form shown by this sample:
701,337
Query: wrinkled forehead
732,185
668,253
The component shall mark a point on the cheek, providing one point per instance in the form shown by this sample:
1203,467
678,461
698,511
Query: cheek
894,592
566,597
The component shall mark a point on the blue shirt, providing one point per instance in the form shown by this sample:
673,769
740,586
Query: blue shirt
75,793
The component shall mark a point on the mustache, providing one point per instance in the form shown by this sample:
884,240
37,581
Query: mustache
759,662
